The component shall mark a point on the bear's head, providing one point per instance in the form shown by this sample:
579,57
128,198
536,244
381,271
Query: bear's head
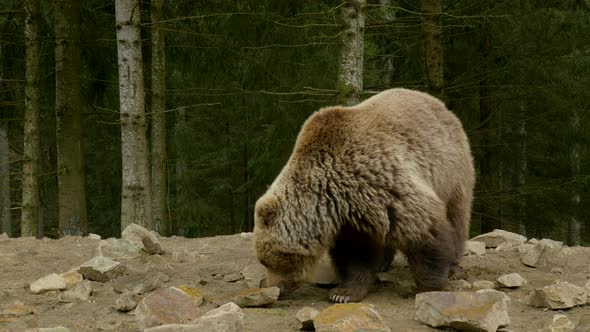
285,262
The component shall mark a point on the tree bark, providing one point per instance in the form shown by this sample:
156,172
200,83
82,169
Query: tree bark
5,201
136,200
70,164
30,180
350,75
158,132
432,46
521,172
573,224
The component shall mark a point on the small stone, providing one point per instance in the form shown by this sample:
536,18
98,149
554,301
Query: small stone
166,306
325,273
119,249
483,284
246,235
4,237
94,236
54,329
140,235
475,248
560,295
81,291
126,302
233,277
16,309
583,324
193,292
72,278
305,317
101,269
227,318
349,317
498,236
140,283
254,275
255,297
560,323
48,283
484,310
512,280
460,285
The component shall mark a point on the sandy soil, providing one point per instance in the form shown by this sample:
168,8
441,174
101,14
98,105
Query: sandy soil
207,260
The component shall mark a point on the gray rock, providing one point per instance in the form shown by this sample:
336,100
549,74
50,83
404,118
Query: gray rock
101,269
166,306
305,317
552,243
498,236
508,246
255,297
54,329
512,280
475,248
4,237
560,295
227,318
539,254
48,283
254,275
560,323
587,287
232,277
247,235
119,249
484,310
140,283
126,302
137,234
80,291
533,241
349,317
483,284
94,236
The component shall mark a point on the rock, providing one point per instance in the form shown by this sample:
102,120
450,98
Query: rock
552,243
4,237
507,246
16,309
94,236
227,318
587,287
137,234
254,297
126,302
325,273
140,283
254,275
119,249
72,278
460,285
48,283
81,291
560,295
511,280
54,329
524,248
498,236
475,248
483,284
560,323
101,269
539,254
193,292
305,317
233,277
533,241
583,324
246,235
484,310
166,306
349,317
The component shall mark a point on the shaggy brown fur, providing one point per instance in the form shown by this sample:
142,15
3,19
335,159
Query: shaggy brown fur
393,172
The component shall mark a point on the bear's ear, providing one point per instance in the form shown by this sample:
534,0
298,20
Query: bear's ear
266,210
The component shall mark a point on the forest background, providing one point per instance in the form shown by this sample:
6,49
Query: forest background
228,84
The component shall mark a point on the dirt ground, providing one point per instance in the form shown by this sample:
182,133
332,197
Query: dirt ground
207,260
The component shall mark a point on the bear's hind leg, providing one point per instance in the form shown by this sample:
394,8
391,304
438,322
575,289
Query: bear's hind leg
458,214
357,259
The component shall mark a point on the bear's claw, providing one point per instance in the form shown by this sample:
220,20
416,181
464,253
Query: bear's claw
345,294
339,298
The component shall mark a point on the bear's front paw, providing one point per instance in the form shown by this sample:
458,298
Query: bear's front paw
345,294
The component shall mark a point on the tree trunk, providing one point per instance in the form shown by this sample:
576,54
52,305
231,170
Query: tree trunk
180,173
70,164
30,181
136,200
521,172
350,75
573,224
432,46
159,160
5,202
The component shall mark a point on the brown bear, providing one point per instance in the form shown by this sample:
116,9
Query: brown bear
394,172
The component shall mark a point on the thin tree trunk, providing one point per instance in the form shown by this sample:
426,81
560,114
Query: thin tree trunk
521,172
573,224
158,132
350,75
179,171
5,201
432,46
30,181
136,200
70,164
